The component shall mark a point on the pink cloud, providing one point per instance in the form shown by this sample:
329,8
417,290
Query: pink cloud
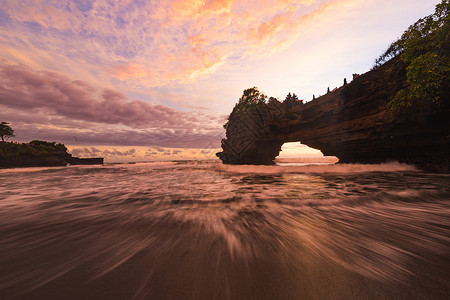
52,93
49,105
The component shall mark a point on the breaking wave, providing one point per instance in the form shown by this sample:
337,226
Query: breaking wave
318,168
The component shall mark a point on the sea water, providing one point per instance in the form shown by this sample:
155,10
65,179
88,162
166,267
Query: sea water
203,230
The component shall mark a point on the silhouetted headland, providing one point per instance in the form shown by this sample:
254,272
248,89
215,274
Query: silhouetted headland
40,154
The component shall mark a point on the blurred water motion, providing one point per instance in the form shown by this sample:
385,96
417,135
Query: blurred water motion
199,230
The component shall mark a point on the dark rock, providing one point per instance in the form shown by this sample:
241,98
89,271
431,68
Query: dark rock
352,123
85,161
40,154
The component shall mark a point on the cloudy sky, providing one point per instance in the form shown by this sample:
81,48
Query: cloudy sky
142,79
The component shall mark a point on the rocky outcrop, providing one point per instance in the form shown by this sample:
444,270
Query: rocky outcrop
48,160
85,161
40,154
352,123
41,160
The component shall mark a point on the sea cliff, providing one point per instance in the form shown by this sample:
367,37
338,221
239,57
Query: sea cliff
352,123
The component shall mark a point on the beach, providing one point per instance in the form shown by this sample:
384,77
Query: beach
203,230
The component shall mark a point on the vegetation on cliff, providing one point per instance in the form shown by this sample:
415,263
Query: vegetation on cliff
38,154
425,48
251,98
13,150
10,150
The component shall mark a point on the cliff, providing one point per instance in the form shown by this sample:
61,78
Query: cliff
352,123
40,154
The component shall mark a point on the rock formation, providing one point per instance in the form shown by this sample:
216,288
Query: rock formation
352,123
40,154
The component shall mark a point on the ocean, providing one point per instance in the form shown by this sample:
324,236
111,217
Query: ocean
203,230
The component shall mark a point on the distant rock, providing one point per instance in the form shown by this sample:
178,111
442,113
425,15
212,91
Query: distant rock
40,154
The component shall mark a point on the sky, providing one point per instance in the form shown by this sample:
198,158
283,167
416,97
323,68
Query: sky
137,80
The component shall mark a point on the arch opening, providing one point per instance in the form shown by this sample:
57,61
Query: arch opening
298,153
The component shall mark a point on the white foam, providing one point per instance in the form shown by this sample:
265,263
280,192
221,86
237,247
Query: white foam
329,168
29,169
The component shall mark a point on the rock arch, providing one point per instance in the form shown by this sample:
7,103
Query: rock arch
351,123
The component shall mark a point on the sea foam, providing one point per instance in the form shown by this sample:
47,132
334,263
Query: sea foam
322,168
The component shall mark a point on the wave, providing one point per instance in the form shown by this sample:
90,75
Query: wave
145,163
314,168
30,169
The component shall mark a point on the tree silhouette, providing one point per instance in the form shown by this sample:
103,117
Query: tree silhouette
288,97
6,131
291,100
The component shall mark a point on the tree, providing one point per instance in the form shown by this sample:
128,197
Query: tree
6,131
288,97
291,100
251,98
425,48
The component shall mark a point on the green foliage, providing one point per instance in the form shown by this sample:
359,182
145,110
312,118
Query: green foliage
34,148
251,98
425,48
47,146
6,131
10,150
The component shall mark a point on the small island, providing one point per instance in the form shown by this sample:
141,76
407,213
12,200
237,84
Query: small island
36,153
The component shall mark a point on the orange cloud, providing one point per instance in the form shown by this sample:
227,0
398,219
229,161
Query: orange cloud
129,70
166,42
216,29
267,30
197,40
183,9
218,6
209,65
282,30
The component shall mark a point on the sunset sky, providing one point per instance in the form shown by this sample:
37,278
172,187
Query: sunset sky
142,80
